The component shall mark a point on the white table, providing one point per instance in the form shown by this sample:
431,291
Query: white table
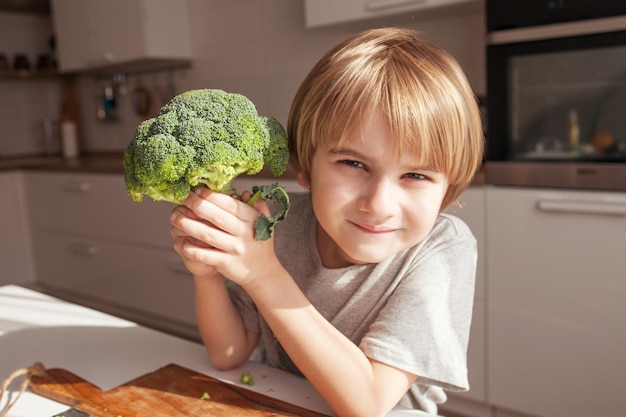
109,351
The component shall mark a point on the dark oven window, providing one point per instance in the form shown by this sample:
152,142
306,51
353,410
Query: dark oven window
558,100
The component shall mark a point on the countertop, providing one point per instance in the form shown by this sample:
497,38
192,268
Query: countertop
111,163
97,163
109,351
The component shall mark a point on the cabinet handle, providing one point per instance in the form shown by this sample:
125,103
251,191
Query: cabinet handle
374,6
84,249
582,207
81,187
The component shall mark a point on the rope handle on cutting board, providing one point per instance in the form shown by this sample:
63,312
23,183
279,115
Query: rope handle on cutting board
36,369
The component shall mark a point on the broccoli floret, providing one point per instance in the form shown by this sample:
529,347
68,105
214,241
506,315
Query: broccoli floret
276,154
206,137
246,378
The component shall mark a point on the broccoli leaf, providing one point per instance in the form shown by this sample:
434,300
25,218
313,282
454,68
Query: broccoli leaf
276,194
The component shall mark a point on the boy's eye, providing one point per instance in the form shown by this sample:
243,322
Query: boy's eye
355,164
415,176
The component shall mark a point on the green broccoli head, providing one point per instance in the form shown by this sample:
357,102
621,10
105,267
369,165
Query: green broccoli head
202,137
205,138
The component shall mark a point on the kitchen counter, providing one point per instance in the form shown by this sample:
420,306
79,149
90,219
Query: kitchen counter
97,163
109,351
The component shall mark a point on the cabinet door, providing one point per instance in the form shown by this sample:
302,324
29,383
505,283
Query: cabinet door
557,302
95,205
96,34
473,214
15,252
326,12
129,277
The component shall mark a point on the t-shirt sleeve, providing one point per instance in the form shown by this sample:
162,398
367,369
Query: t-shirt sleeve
424,326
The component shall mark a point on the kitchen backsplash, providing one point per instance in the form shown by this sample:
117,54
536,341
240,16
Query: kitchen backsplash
258,48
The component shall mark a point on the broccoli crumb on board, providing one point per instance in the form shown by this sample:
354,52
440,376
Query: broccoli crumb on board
205,396
207,137
246,378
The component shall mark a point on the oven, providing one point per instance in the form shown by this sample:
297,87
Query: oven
556,93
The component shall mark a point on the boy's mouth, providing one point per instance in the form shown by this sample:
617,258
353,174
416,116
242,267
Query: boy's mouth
373,228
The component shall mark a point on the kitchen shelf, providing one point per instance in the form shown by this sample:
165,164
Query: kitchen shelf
29,74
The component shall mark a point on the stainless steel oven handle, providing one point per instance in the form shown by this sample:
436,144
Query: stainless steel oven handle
582,207
558,30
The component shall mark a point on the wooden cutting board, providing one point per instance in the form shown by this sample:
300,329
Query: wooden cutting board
167,392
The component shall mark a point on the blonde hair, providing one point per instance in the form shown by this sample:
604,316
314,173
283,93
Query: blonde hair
419,88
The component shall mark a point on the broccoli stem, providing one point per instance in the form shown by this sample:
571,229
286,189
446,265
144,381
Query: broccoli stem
254,198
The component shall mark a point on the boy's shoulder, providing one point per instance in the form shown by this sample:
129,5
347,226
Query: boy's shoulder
449,224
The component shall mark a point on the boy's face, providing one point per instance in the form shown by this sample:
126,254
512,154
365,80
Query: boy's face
370,203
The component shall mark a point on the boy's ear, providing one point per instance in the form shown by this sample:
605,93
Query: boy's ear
302,182
294,166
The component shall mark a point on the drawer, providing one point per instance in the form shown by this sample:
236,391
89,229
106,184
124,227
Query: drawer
95,205
140,278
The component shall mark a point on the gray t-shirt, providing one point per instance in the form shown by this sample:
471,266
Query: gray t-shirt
412,311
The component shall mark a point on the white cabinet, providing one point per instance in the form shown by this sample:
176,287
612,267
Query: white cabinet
326,12
94,245
16,262
556,267
473,214
93,34
95,205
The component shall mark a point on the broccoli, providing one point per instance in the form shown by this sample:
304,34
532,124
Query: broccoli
246,378
207,137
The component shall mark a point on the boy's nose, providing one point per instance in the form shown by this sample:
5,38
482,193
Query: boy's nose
379,199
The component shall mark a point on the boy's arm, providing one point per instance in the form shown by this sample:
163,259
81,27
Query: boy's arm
351,383
227,341
225,338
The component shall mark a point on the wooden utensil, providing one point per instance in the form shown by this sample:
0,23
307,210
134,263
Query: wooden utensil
167,392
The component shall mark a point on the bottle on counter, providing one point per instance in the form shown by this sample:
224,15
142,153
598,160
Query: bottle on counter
70,141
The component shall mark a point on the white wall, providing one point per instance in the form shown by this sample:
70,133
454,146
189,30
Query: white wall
261,48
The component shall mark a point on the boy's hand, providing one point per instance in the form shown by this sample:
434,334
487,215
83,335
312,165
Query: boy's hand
182,215
217,231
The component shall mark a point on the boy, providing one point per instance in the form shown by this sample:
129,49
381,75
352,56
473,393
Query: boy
366,288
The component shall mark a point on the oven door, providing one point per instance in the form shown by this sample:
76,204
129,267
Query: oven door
557,105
